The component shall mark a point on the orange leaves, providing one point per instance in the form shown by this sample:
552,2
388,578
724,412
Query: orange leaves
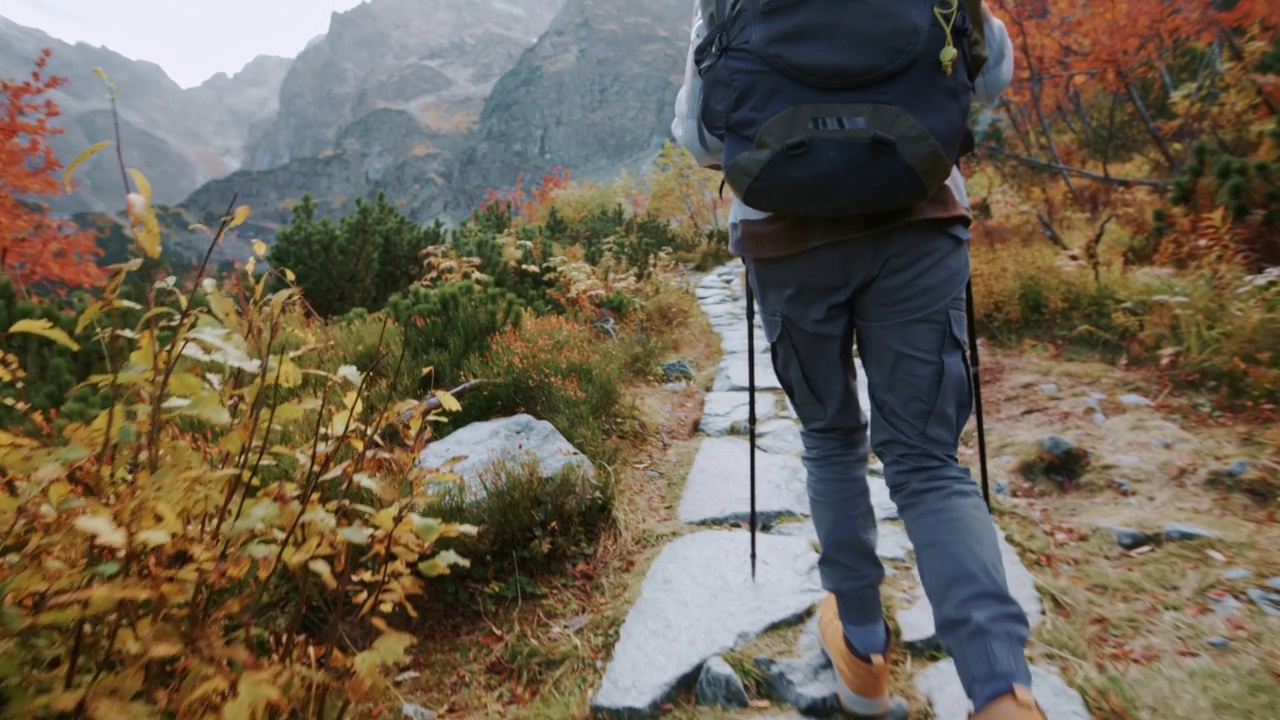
36,249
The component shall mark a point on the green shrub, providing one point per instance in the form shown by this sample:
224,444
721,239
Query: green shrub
552,368
527,524
446,326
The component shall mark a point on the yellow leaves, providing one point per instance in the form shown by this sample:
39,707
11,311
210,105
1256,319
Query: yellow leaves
442,564
144,187
154,538
142,219
448,402
256,693
84,155
103,529
45,329
289,374
321,568
388,649
239,216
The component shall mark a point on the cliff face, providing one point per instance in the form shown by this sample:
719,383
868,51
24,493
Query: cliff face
435,59
597,92
594,94
180,138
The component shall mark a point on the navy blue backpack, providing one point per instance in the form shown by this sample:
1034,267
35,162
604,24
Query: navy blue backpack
837,108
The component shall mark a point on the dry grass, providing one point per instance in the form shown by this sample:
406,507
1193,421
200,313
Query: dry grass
543,657
1128,630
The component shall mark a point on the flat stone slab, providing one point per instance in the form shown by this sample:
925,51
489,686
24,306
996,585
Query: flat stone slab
697,601
885,508
519,438
780,437
892,542
940,684
917,622
718,489
725,413
734,369
733,340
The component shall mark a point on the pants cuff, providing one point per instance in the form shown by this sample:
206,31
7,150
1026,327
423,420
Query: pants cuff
861,606
984,664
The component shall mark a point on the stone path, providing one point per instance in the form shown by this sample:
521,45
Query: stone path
698,601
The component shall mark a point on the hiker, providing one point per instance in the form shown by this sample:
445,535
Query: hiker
867,239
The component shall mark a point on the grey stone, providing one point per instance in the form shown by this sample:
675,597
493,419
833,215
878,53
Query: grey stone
1123,486
1237,469
1268,603
780,437
1057,446
417,712
892,542
1226,605
733,374
733,340
1178,531
1099,418
806,683
1235,574
1050,388
1002,488
514,439
881,500
676,369
1218,642
725,413
1134,400
916,621
676,386
718,491
1130,539
698,600
1274,584
940,685
718,685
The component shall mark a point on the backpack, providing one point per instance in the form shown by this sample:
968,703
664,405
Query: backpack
836,108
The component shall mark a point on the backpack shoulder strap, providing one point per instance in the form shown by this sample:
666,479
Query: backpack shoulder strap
977,38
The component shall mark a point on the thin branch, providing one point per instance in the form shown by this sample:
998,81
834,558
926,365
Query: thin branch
1050,232
1151,126
1079,172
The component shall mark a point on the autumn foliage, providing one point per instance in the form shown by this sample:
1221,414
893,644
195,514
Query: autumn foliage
35,248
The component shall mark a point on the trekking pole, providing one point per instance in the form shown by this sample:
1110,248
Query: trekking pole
977,394
751,411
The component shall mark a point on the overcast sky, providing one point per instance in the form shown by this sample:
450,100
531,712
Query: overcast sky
190,39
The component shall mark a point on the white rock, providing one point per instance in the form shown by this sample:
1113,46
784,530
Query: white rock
519,438
698,600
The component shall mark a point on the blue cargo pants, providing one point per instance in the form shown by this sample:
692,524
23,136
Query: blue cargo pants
902,295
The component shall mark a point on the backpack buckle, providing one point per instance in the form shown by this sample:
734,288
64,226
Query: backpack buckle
796,146
884,141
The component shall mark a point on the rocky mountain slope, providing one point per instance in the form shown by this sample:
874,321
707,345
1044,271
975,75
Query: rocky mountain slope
182,138
596,93
435,59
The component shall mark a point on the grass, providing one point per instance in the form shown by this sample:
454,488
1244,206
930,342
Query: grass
1129,630
541,656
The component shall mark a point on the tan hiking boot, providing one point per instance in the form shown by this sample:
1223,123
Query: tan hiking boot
1017,705
864,688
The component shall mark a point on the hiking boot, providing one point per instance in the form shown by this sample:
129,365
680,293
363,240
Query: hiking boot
864,687
1017,705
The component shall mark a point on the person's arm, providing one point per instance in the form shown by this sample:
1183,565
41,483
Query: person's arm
687,126
997,74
